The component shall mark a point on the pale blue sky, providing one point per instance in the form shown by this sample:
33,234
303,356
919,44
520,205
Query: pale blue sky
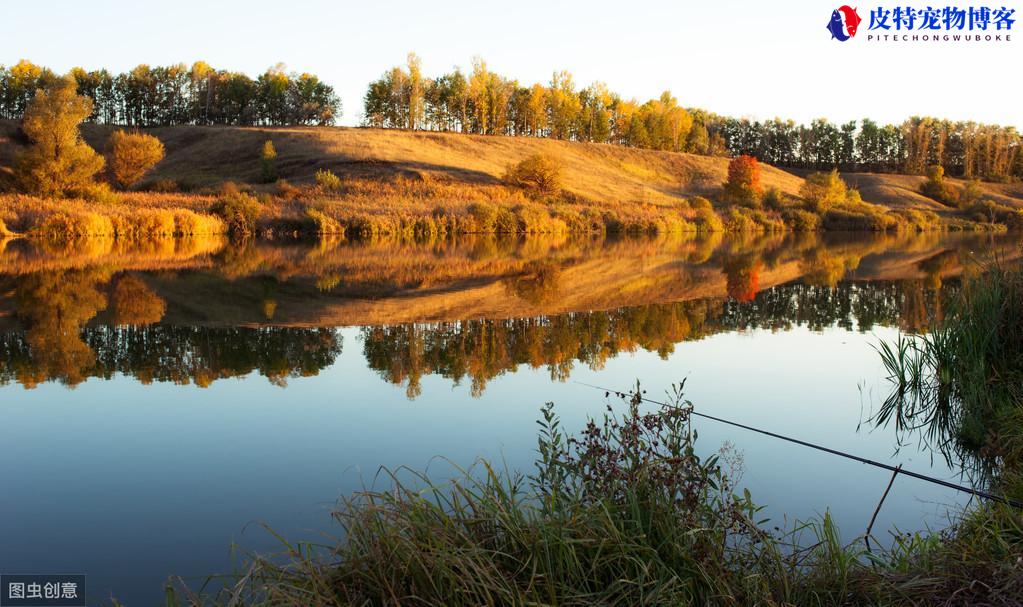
761,59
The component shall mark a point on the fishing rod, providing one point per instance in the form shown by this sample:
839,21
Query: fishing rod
894,469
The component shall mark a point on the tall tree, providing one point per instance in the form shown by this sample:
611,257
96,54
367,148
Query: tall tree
58,162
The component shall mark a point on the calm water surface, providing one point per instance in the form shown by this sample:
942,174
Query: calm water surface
157,404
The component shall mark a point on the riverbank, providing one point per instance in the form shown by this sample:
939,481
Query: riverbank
368,182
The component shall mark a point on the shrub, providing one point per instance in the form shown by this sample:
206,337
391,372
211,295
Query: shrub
322,223
268,162
708,221
132,155
328,181
936,188
188,223
425,228
506,222
287,191
484,216
823,191
239,211
774,199
97,192
699,202
802,221
843,219
742,220
917,219
538,173
743,185
970,194
536,220
58,162
737,221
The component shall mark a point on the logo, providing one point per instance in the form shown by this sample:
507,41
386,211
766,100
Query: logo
927,24
844,22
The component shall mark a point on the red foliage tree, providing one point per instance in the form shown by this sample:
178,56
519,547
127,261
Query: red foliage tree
743,185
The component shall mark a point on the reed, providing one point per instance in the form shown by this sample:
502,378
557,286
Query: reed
960,385
624,513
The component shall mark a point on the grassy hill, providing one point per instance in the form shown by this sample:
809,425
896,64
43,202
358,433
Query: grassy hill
202,156
461,169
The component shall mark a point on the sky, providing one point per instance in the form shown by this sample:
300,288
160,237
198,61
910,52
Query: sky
758,60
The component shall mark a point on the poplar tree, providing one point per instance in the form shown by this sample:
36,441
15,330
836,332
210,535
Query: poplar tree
59,162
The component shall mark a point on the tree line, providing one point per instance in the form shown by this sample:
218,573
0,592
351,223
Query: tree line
177,94
485,103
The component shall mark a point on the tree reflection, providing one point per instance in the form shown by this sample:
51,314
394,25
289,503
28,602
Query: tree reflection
134,303
58,343
55,306
742,273
158,313
482,350
538,282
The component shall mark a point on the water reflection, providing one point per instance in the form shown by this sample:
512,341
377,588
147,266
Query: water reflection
480,350
198,311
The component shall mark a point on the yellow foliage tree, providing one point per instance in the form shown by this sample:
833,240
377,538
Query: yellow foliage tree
59,162
823,191
538,173
268,162
132,155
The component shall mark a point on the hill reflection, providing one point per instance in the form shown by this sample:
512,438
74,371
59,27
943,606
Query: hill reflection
195,313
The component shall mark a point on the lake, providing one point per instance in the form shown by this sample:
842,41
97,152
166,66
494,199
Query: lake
159,403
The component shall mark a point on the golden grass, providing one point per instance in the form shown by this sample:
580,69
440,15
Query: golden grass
137,217
392,182
204,156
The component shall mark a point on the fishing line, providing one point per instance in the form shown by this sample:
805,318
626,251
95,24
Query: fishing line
895,469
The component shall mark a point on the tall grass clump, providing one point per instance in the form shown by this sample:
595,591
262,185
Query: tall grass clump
961,385
148,223
188,223
327,181
959,389
323,223
64,226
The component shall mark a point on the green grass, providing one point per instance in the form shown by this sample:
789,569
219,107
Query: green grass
624,513
960,386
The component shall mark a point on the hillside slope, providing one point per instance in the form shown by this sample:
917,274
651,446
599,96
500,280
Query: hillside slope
592,171
202,156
